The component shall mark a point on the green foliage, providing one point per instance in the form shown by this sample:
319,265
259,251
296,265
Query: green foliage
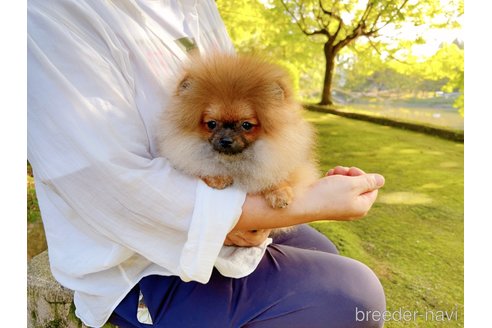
362,69
449,62
341,24
250,31
446,65
266,28
293,72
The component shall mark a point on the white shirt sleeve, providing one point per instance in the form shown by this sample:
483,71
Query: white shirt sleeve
90,148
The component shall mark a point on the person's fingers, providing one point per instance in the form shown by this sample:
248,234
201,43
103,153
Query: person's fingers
364,203
247,238
368,182
338,170
370,196
355,171
342,170
228,241
256,234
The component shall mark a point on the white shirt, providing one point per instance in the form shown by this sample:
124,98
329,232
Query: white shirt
114,211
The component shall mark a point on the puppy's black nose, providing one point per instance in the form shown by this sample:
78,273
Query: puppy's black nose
226,142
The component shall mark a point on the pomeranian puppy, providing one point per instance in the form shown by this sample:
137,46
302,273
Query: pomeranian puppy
234,120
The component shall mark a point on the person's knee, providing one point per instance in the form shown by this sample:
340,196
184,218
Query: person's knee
359,299
317,289
369,307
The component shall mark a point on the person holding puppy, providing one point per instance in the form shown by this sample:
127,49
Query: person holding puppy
140,242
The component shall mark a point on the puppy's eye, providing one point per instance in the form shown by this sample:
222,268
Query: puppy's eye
247,126
211,125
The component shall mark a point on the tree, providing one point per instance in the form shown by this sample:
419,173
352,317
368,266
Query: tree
263,29
448,63
343,22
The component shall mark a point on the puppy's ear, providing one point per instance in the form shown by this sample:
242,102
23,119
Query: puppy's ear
278,90
184,86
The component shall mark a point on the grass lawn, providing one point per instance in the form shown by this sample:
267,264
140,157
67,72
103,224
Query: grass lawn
36,241
413,236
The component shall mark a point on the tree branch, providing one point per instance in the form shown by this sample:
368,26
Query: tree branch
331,38
357,32
373,26
301,23
321,24
330,13
339,28
391,19
389,55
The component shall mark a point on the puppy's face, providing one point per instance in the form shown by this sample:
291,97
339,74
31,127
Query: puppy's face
230,130
230,102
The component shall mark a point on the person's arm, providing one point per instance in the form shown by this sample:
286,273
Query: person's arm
344,194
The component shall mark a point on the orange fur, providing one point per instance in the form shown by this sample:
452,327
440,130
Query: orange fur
236,117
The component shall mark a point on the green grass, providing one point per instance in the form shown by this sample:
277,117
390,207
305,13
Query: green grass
32,202
413,236
36,240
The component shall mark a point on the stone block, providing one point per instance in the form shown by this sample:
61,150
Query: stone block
49,305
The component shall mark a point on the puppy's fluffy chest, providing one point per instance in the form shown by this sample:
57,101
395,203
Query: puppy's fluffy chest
261,166
251,170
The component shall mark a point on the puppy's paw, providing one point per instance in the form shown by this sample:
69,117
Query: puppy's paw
218,182
279,198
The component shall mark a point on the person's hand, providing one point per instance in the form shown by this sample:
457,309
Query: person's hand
344,194
343,170
246,238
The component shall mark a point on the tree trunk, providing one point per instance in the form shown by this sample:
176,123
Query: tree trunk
330,53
